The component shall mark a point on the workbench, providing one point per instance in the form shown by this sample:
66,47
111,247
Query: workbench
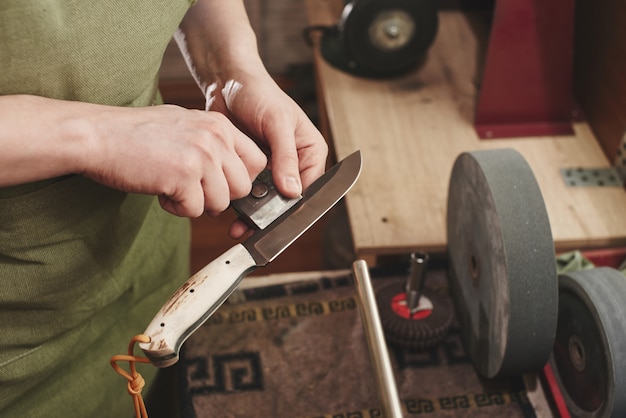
410,130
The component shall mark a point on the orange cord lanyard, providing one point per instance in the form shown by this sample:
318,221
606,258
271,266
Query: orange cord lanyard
135,380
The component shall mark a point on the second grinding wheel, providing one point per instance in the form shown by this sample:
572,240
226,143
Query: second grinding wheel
502,263
589,356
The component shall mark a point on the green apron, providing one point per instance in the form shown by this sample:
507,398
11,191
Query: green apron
83,267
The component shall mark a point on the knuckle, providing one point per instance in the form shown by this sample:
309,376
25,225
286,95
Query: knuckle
215,205
188,168
243,190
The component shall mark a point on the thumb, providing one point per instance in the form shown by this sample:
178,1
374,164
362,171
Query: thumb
285,172
285,163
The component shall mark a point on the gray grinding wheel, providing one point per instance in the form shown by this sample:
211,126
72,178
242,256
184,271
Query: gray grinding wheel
589,355
502,263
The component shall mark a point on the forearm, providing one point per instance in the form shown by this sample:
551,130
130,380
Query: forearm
40,138
194,161
218,42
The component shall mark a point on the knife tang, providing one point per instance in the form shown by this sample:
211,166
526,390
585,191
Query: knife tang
193,303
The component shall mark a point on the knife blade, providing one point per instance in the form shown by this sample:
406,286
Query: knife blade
204,292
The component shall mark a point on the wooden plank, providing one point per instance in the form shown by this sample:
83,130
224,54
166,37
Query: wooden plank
411,129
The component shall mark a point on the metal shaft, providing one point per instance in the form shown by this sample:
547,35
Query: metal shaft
379,355
415,282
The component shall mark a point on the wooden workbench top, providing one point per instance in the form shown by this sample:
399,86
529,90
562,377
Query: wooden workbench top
411,129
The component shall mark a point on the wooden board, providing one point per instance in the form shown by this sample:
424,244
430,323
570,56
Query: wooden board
411,129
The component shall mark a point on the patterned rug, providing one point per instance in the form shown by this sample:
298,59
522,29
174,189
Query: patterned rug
293,346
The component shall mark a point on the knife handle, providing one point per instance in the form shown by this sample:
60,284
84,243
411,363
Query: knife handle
193,303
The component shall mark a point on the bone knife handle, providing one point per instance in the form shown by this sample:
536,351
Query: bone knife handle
193,303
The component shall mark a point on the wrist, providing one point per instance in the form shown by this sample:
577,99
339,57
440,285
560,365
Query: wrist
40,138
79,140
218,43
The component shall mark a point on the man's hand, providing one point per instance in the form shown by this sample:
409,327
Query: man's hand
195,161
262,110
219,45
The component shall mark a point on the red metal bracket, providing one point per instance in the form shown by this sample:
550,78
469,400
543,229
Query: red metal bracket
526,87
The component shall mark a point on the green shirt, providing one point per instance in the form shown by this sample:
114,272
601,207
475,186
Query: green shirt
83,267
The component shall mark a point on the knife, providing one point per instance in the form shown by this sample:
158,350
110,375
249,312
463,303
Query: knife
200,296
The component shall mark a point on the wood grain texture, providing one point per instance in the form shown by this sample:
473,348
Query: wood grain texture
411,129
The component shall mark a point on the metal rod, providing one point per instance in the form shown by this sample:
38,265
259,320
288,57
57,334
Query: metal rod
415,282
379,355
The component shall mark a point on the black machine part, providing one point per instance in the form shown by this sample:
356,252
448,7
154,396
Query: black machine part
381,38
589,354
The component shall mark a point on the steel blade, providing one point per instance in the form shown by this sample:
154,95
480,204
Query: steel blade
318,198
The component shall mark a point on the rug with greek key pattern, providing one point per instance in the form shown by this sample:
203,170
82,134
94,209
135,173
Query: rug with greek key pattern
295,348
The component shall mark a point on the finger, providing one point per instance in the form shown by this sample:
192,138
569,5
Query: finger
232,178
216,192
190,203
312,157
238,229
285,162
251,155
237,177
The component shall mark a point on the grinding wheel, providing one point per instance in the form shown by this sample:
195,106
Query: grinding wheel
502,263
381,38
419,331
589,355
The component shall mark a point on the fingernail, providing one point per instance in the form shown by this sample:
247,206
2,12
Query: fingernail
292,184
